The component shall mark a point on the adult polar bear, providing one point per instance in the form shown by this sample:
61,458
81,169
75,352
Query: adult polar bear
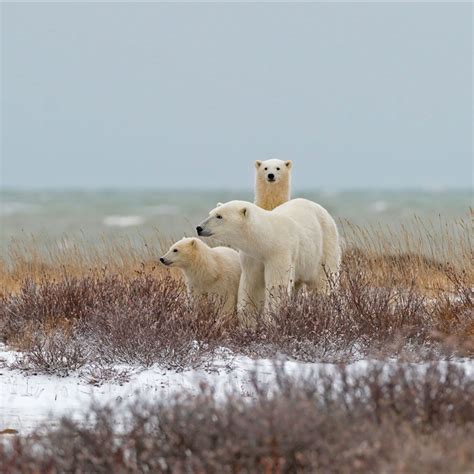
272,183
298,243
272,188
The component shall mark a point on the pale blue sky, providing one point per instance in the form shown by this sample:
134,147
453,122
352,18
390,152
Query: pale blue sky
189,95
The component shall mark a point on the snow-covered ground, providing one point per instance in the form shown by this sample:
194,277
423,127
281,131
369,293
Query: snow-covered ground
28,400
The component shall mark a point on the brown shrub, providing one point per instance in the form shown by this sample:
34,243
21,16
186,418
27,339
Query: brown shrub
142,320
395,419
136,320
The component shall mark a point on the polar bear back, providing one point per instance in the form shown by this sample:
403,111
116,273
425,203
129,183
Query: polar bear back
317,238
298,209
227,261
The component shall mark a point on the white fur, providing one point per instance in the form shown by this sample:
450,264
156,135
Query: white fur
207,271
270,194
297,242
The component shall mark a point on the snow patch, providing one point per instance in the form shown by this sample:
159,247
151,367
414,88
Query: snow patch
28,400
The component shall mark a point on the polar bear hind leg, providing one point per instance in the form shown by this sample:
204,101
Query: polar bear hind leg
328,274
279,282
251,290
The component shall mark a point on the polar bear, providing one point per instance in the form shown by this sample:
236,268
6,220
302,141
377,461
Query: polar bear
298,244
207,271
272,183
272,188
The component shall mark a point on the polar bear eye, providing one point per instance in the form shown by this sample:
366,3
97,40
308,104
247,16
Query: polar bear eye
219,216
278,169
175,250
266,169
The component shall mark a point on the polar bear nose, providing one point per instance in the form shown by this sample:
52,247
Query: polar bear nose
199,229
162,260
271,176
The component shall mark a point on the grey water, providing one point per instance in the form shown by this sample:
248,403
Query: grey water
50,216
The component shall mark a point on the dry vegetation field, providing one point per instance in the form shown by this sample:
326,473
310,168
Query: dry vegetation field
406,296
395,421
407,293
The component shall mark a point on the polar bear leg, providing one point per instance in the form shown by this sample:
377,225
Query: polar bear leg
327,279
322,283
251,290
229,305
279,281
299,285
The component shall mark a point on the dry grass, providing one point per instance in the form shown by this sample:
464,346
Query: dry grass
28,260
387,420
416,252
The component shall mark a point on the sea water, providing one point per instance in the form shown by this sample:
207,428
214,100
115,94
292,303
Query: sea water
59,217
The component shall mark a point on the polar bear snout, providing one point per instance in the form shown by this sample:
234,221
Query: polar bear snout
203,232
164,261
270,177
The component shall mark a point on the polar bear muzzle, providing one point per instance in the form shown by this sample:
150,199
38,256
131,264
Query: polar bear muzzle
202,232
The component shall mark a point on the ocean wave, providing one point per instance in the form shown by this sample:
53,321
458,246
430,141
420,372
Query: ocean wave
163,210
123,221
379,206
10,208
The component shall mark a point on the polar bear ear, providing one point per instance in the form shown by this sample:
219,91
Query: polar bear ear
288,164
219,204
258,163
192,243
244,211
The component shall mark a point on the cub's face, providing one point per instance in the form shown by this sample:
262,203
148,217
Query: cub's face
273,171
225,222
181,253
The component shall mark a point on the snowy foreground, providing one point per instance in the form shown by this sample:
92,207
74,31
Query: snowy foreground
28,400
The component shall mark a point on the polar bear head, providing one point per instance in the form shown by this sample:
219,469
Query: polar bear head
227,222
273,171
182,253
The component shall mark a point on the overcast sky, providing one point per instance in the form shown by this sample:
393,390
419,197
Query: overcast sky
183,95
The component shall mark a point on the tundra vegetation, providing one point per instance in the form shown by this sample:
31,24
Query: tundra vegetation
395,421
406,296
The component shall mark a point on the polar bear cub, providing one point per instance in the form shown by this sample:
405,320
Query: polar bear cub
207,271
272,183
298,244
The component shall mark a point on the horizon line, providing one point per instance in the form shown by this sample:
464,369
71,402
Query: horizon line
323,189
